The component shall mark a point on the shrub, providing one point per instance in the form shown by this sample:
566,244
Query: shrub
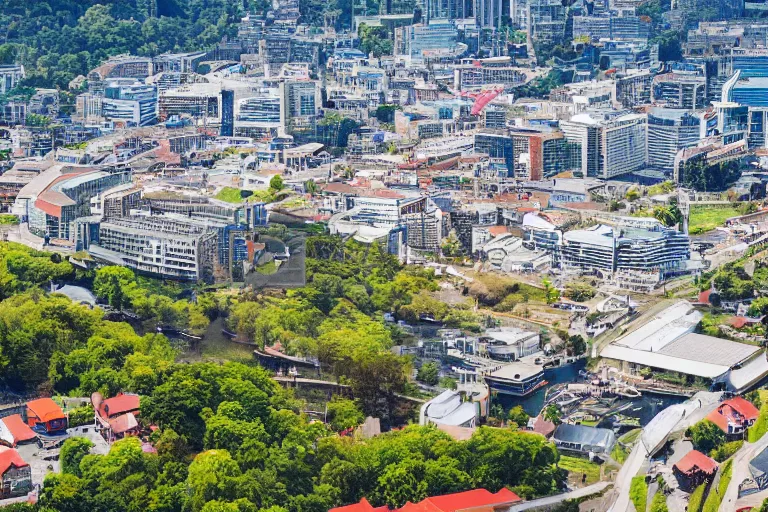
696,500
725,451
659,503
638,493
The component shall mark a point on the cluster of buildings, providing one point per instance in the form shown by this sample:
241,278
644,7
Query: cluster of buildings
440,141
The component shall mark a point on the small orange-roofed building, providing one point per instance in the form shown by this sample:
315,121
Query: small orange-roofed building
45,415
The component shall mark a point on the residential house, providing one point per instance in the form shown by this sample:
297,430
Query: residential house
15,474
117,415
14,431
44,415
734,416
475,500
694,469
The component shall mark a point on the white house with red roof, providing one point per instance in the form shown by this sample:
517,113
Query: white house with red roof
15,474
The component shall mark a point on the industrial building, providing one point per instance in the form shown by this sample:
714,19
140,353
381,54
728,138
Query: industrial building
667,343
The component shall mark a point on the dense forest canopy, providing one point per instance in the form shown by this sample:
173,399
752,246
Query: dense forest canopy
57,40
228,437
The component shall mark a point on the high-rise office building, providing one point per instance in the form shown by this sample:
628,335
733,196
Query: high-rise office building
609,146
669,131
300,104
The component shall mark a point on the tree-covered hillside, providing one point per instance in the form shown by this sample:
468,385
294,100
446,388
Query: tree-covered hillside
57,40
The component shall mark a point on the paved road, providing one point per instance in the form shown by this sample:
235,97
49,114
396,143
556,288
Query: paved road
741,472
637,457
553,500
624,479
752,500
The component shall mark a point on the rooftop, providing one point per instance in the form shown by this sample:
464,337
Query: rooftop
584,435
517,371
695,461
45,409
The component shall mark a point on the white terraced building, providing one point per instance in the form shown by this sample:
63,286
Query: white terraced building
650,249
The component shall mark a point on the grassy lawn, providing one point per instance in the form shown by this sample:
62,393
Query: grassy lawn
631,436
715,496
638,493
705,219
576,467
230,195
619,453
225,350
267,269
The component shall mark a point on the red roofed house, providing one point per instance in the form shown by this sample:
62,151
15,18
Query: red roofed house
694,469
45,415
15,474
117,415
734,416
14,431
465,501
474,500
363,506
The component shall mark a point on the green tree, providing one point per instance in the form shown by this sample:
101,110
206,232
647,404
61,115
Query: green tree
310,187
552,414
72,452
343,414
276,183
80,416
706,436
374,40
212,476
552,293
429,373
518,416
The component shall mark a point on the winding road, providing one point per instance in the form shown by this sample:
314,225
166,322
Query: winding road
741,472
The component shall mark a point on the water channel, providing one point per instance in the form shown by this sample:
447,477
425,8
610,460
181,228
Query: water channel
643,408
